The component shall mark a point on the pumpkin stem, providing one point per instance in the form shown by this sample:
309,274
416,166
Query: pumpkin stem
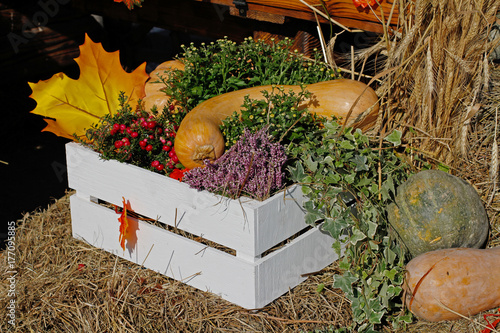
202,153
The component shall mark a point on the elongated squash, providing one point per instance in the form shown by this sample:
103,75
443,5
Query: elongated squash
154,86
199,138
463,280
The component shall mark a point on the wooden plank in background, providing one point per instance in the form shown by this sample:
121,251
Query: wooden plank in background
342,11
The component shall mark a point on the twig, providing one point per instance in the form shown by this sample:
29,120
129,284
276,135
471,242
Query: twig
326,17
494,161
464,317
352,62
321,38
289,321
136,273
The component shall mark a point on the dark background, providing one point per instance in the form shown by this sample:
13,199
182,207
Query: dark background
32,162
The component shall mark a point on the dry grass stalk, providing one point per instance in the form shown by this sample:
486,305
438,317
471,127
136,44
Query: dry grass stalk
439,54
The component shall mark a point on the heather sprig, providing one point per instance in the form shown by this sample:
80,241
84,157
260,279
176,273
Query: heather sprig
252,167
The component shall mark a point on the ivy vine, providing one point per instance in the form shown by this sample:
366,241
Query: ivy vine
349,179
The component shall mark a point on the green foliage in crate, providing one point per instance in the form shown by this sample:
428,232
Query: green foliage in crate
349,180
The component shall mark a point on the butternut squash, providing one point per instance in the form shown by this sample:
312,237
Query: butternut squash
154,87
199,138
463,280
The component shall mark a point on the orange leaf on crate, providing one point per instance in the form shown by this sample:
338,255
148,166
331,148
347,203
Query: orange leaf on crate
124,223
178,174
71,106
364,3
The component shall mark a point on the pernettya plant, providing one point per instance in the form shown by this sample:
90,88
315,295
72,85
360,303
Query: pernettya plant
349,180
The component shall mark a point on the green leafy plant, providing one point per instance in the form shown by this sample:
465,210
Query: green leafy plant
222,66
279,112
348,180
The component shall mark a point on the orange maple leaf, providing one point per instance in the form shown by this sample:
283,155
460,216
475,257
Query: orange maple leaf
178,174
124,223
72,106
130,3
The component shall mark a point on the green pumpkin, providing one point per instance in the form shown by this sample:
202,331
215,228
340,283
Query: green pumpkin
435,210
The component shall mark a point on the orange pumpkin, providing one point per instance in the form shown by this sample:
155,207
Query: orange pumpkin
199,138
441,283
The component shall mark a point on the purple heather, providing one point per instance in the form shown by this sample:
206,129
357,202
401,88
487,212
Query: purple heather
252,167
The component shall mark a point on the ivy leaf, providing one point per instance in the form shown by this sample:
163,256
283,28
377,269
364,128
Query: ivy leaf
72,106
335,227
357,236
297,173
376,312
394,137
349,178
372,228
388,188
311,165
391,274
346,145
360,162
344,282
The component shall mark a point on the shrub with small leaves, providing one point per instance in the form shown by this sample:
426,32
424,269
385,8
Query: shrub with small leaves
279,111
222,66
349,180
252,167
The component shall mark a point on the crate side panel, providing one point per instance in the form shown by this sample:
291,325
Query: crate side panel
279,218
172,255
224,221
282,270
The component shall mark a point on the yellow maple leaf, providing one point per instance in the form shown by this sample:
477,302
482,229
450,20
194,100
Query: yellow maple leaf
72,106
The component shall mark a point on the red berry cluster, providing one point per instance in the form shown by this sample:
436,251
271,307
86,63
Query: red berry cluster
138,138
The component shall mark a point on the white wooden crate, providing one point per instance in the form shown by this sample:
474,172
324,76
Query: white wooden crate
252,278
